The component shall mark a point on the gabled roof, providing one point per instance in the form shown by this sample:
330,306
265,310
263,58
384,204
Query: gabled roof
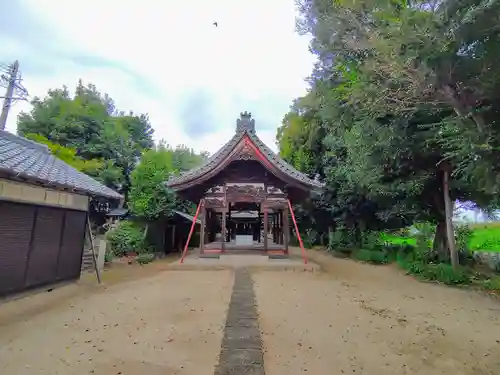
21,157
120,211
245,128
186,216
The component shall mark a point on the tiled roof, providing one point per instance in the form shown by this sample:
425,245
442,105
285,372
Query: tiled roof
33,161
186,216
220,155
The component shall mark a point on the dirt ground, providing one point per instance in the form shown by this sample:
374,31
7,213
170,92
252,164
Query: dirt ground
362,319
350,319
169,323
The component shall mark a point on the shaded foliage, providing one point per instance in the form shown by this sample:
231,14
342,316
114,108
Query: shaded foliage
89,123
398,88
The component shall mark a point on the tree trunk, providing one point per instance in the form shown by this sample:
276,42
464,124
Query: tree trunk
330,234
439,245
450,233
145,232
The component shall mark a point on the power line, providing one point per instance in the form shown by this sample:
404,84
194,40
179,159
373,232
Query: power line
11,80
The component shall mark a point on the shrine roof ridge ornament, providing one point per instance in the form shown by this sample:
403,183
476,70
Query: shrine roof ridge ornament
245,123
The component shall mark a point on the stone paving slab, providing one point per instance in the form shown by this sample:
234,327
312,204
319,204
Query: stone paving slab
261,262
243,357
242,322
241,349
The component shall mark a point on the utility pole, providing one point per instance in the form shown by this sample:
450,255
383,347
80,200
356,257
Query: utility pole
11,80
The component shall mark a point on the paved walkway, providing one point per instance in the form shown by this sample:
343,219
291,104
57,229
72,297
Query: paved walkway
241,351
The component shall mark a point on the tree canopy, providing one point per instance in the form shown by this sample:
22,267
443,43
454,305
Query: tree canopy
89,123
399,88
88,132
149,197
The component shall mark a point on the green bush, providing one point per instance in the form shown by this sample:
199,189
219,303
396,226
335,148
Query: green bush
371,240
108,256
371,256
493,284
341,240
463,235
413,267
127,237
145,258
441,272
309,238
444,273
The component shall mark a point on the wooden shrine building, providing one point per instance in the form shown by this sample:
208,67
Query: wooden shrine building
243,192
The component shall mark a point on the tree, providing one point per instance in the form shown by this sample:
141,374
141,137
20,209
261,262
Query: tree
149,197
185,158
68,155
89,123
394,94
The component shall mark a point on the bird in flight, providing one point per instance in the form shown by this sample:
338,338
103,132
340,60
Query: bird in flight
215,24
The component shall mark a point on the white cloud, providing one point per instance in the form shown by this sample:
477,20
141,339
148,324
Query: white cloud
252,61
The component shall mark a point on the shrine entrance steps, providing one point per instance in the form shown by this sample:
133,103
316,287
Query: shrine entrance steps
233,247
250,259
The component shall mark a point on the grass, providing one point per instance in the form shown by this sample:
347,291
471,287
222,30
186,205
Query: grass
486,237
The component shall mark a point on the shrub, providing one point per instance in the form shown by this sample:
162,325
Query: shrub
341,240
466,258
446,274
371,256
396,251
415,268
125,238
108,256
441,272
463,234
309,239
497,267
371,240
493,284
145,258
424,230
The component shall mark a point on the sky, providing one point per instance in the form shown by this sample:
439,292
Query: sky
165,58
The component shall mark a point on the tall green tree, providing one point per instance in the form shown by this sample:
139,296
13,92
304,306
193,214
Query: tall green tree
394,93
149,197
89,122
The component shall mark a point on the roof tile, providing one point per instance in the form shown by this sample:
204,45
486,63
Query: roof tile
216,158
34,161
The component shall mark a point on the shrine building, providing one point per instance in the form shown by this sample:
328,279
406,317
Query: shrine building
244,194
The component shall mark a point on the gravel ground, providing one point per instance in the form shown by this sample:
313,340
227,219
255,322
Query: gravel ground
351,319
169,323
361,319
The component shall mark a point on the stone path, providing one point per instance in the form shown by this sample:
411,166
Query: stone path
241,351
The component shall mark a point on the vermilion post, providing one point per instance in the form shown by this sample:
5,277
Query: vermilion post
304,255
191,231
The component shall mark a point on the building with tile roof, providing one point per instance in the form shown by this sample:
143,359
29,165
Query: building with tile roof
24,159
44,205
245,175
